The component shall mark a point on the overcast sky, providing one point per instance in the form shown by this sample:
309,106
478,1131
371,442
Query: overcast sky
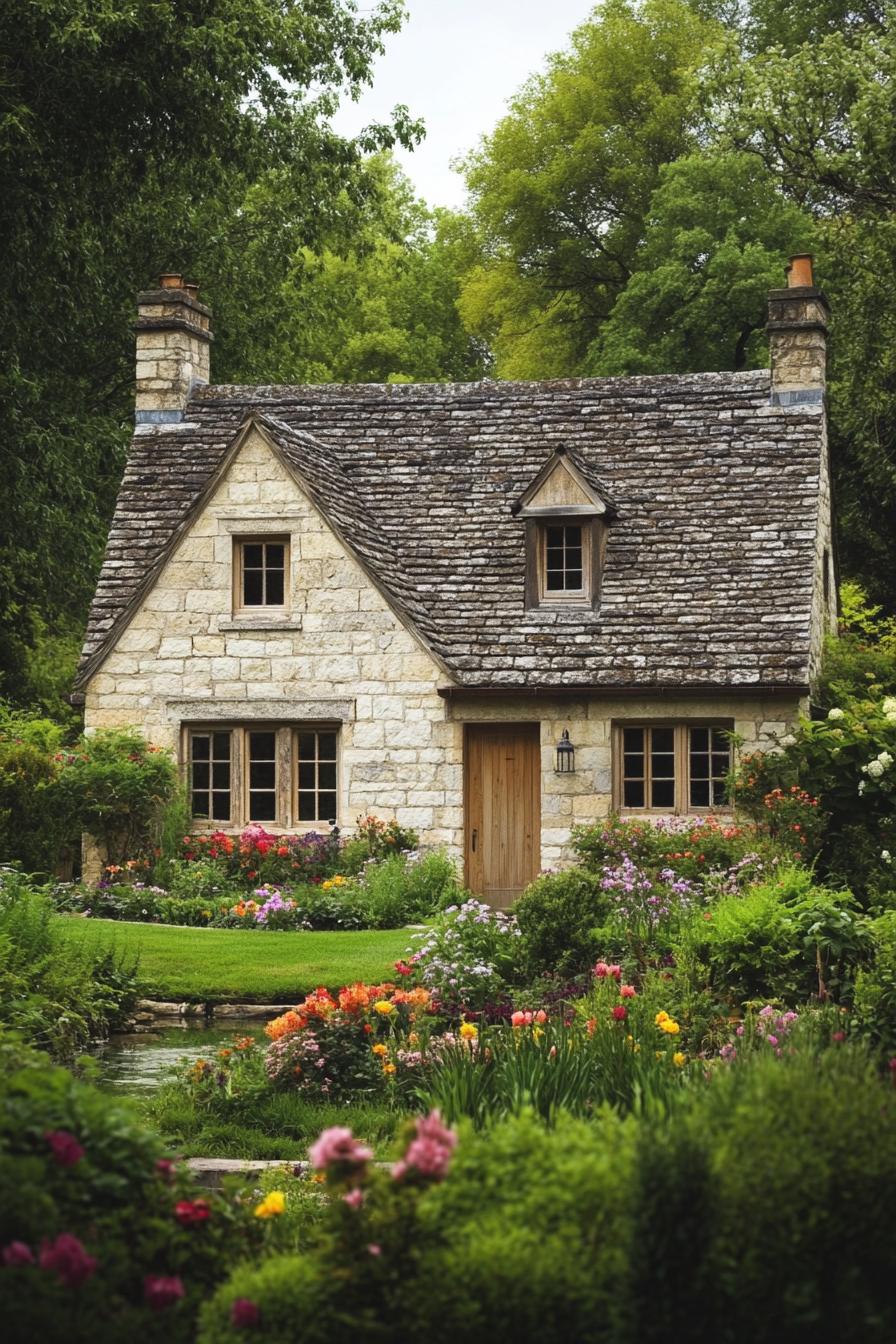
455,63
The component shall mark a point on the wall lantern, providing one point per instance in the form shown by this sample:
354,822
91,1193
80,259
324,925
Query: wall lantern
566,755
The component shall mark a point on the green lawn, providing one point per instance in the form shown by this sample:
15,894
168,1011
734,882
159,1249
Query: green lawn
239,965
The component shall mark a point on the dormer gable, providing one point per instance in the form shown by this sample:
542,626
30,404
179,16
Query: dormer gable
561,488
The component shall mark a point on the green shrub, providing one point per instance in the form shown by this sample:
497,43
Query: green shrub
557,916
875,991
34,823
283,1283
75,1162
404,889
785,939
58,995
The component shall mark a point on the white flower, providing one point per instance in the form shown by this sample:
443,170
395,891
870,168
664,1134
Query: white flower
874,769
835,713
788,741
885,759
863,784
889,706
886,856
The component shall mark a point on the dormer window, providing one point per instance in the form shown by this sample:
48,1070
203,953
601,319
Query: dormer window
565,561
565,519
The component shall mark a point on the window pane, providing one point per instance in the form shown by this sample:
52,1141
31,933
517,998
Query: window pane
699,739
261,746
274,557
632,764
720,765
253,588
719,793
663,793
221,806
221,746
200,805
326,809
720,741
253,555
307,807
306,746
573,580
200,747
201,774
262,807
326,744
633,739
262,775
554,537
699,793
633,793
327,776
221,775
306,775
663,739
555,581
275,588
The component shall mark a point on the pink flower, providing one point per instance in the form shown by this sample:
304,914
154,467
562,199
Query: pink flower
403,968
628,991
615,972
67,1259
354,1199
601,970
620,1012
541,1016
838,1036
160,1292
429,1153
66,1148
244,1312
338,1147
373,1249
520,1019
17,1253
165,1168
772,1040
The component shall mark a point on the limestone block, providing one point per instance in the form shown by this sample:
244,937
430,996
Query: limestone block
244,646
208,646
255,669
214,603
225,669
175,646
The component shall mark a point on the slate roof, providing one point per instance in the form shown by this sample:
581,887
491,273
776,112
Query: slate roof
709,562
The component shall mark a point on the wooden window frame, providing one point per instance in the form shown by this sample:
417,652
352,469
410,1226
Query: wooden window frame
317,729
593,544
286,776
240,608
681,747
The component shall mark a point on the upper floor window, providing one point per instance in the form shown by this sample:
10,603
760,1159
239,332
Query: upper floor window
671,767
565,569
260,572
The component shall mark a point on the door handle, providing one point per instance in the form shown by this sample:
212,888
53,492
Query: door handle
473,838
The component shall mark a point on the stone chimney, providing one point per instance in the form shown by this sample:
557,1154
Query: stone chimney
173,337
797,337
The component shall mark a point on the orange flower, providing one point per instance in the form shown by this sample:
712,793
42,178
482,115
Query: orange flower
283,1026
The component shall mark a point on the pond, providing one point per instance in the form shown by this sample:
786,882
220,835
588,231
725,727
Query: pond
140,1061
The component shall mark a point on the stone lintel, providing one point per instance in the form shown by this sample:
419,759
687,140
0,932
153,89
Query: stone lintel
283,711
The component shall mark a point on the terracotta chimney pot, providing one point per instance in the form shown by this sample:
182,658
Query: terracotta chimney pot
171,281
799,272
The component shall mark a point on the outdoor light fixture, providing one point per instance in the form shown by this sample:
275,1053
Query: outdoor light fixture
566,755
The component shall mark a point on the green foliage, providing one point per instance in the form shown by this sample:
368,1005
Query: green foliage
59,995
561,189
874,1003
846,761
118,785
468,956
406,890
34,824
558,915
785,939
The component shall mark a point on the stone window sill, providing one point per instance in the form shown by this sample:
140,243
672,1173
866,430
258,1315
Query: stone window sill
273,623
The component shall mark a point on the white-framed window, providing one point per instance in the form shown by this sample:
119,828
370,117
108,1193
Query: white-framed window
275,774
671,767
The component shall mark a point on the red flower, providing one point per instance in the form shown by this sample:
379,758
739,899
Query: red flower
243,1313
192,1212
67,1259
282,850
403,968
66,1148
620,1012
160,1292
627,991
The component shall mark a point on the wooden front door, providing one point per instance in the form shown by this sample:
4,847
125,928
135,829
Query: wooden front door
502,773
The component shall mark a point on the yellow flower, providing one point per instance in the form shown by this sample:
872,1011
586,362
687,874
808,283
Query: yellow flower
384,1007
272,1205
537,1033
679,1060
669,1027
468,1031
661,1018
413,1038
388,1068
380,1049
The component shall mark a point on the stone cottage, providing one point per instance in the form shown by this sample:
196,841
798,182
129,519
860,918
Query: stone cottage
490,610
